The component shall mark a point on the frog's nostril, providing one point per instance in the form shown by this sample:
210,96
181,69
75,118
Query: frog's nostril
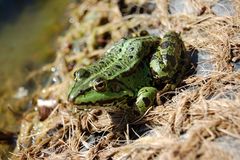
71,98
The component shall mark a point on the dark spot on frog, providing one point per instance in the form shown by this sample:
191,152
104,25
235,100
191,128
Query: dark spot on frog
102,62
120,49
131,49
95,69
146,101
81,73
130,57
115,87
109,74
154,57
118,66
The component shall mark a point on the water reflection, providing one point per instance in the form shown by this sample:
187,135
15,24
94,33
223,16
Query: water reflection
28,30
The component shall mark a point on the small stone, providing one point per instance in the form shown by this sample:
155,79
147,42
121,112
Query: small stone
204,63
185,7
21,92
46,103
236,66
230,145
223,8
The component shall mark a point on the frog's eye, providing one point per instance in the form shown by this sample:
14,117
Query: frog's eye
81,73
99,84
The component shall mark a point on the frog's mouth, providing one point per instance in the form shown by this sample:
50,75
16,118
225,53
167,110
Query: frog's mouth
101,97
114,91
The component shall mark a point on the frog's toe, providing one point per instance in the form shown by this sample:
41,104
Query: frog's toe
143,104
146,98
147,102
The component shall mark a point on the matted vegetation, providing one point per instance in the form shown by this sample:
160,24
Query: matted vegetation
201,119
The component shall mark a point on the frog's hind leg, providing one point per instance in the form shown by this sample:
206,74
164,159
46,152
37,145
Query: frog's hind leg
145,98
172,84
168,87
169,63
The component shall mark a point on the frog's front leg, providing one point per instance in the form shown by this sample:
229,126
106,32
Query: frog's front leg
145,98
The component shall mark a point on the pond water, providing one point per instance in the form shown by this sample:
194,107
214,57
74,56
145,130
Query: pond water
28,31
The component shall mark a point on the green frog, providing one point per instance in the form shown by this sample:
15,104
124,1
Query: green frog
133,69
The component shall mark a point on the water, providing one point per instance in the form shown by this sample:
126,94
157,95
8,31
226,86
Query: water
28,30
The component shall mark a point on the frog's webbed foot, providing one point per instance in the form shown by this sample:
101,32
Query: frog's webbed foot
145,98
168,87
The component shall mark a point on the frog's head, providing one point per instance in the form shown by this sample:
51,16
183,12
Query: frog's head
93,88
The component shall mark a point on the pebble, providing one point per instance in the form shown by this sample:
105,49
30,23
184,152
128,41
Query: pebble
230,145
223,8
184,7
204,64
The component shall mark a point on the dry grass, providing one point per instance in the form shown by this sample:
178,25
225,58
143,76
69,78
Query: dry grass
185,127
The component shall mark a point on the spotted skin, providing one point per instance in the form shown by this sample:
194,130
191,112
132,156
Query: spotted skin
145,98
165,62
131,69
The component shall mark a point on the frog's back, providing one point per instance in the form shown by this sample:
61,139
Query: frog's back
123,57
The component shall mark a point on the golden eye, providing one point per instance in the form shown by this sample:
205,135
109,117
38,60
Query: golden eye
99,84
